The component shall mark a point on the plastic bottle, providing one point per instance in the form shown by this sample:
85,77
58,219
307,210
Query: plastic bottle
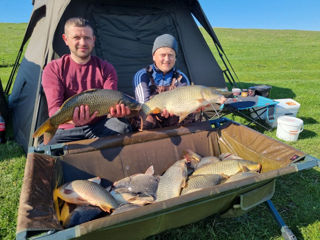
2,130
244,93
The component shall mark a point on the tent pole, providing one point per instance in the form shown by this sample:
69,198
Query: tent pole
35,109
207,26
13,71
232,82
16,64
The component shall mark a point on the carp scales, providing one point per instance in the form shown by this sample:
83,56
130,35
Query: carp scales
207,160
85,192
199,182
182,101
100,100
172,181
228,167
145,183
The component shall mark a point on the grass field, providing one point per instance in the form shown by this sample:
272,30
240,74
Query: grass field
289,61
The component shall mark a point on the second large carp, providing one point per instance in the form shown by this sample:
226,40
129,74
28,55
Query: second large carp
182,101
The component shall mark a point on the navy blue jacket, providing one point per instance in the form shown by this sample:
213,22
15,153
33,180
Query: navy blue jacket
142,83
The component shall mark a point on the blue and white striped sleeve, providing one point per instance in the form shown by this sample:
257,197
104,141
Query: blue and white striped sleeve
141,86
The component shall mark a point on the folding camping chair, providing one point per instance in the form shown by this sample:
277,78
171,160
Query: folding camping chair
255,109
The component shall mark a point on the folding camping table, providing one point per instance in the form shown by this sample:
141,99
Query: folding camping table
255,109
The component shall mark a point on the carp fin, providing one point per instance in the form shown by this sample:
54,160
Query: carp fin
105,208
183,116
95,180
45,128
224,176
65,213
259,168
245,169
223,92
190,155
150,171
56,203
184,183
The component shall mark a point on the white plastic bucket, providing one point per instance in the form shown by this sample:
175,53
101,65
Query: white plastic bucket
288,128
236,91
287,107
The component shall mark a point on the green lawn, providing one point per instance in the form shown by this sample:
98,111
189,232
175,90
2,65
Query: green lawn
289,61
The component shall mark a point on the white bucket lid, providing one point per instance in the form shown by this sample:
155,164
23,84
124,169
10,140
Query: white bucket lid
287,103
236,90
291,121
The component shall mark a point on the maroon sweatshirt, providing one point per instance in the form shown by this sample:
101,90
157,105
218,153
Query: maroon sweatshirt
63,78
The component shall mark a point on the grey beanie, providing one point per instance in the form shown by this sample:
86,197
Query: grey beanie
165,40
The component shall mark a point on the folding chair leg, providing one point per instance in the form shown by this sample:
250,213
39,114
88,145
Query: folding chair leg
252,120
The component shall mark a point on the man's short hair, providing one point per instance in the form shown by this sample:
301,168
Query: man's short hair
77,22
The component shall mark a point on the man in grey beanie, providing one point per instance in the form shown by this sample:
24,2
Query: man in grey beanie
159,77
165,40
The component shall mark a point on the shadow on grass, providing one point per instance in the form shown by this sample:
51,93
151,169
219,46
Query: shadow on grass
309,120
305,134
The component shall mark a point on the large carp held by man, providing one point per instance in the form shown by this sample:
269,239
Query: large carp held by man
184,100
100,100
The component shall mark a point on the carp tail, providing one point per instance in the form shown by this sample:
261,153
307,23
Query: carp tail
46,128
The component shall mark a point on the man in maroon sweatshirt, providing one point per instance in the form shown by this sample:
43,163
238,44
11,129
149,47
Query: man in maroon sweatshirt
74,73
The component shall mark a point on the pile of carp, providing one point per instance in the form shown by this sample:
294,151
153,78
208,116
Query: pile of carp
85,200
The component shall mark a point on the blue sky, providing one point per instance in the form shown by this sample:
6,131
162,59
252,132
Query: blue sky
265,14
